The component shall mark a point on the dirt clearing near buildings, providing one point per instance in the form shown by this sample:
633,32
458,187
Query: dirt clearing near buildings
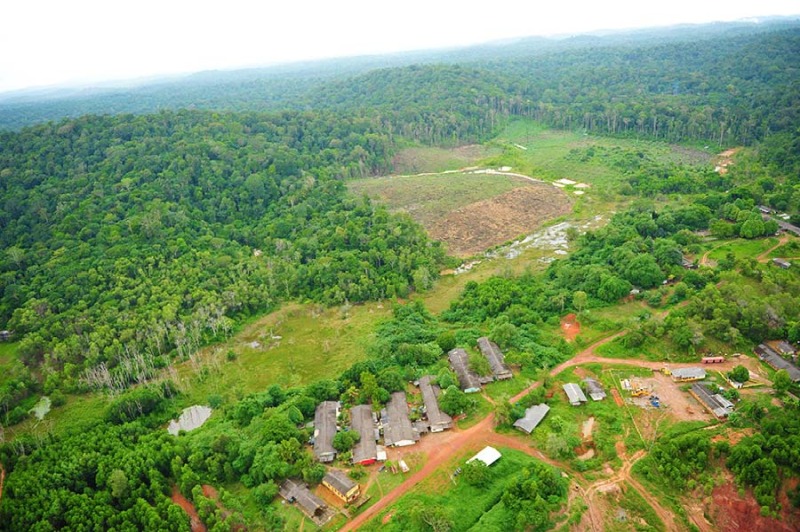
470,211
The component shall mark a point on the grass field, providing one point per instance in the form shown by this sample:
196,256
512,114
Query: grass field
8,355
468,507
429,197
314,343
743,248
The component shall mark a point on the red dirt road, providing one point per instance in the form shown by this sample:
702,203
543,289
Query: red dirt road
188,507
446,445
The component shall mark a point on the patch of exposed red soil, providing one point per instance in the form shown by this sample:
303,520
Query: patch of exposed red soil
387,517
188,507
732,513
570,327
617,398
2,480
481,225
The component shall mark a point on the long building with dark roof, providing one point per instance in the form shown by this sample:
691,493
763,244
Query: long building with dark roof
459,361
397,429
365,451
437,420
495,357
713,402
324,430
771,357
294,491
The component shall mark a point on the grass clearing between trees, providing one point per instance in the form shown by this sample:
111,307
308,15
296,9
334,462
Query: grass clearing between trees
467,506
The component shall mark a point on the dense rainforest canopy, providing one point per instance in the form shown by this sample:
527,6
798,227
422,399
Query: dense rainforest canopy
144,233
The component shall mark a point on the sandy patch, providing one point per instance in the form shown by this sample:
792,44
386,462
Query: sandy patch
191,418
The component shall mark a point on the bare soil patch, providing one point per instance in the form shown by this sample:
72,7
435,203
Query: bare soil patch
570,327
678,403
479,226
194,519
732,513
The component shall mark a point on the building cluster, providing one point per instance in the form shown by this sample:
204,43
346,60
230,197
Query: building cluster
468,380
781,356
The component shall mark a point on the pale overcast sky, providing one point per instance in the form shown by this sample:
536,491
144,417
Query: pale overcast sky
46,42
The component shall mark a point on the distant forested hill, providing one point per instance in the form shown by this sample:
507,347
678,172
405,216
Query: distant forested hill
142,233
728,83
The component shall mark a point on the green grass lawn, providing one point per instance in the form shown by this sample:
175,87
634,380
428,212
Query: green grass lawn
743,249
8,355
315,343
789,250
470,508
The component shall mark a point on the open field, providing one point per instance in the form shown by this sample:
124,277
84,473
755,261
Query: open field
432,159
467,506
469,212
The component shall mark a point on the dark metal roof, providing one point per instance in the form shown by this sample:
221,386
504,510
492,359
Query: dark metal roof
495,357
398,430
325,430
295,491
595,389
768,355
430,394
720,406
361,422
459,361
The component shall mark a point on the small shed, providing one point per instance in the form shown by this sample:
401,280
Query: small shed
488,456
533,416
782,263
594,389
574,394
341,485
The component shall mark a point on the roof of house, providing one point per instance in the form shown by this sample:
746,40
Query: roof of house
325,428
533,416
785,347
594,388
459,361
574,393
339,481
295,491
495,357
430,394
689,373
488,456
772,358
399,427
361,422
720,406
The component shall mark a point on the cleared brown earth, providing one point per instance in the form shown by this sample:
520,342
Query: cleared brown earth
481,225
